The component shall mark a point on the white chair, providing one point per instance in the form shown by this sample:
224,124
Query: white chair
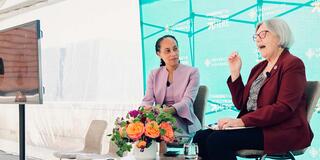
92,143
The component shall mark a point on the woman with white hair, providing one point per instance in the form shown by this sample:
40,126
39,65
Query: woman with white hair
272,104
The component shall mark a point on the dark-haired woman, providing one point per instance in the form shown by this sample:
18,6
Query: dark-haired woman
175,85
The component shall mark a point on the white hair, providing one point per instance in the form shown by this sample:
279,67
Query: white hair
280,28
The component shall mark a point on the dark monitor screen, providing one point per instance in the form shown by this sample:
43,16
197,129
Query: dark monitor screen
20,67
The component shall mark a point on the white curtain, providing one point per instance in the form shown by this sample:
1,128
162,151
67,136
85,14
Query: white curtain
91,69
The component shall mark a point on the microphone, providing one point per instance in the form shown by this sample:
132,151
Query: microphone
268,74
168,83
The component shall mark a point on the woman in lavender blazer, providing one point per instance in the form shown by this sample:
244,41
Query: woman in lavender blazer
175,85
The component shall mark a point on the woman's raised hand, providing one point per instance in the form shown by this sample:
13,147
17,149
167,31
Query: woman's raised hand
235,65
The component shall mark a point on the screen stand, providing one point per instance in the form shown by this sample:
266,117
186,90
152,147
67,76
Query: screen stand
22,132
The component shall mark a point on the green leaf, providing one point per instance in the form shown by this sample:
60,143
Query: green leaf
162,131
150,116
123,124
137,119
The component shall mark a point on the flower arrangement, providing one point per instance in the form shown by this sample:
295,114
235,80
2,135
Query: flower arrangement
141,127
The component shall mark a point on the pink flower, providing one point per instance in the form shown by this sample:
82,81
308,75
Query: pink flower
134,113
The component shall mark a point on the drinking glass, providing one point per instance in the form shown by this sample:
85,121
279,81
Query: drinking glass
190,151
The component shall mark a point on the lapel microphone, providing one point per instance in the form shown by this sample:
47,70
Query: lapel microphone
168,83
268,74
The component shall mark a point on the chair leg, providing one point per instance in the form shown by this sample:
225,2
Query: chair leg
291,156
263,157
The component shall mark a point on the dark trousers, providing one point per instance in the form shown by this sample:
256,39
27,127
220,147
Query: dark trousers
223,144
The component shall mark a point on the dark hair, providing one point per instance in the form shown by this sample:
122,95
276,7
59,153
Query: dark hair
157,46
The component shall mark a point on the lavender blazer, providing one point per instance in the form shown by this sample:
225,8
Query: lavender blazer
186,85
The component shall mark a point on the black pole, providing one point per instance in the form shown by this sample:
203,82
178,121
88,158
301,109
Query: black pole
22,131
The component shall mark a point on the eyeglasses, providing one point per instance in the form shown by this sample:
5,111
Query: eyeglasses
261,35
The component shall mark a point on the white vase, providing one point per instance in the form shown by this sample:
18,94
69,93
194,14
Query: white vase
149,153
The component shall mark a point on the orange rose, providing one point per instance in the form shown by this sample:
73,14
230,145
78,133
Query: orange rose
141,144
169,135
135,130
152,129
